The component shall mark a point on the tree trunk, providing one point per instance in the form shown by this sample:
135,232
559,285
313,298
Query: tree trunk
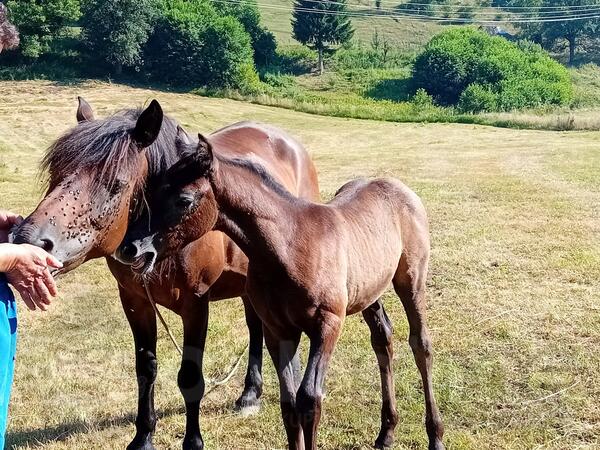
321,68
118,68
572,44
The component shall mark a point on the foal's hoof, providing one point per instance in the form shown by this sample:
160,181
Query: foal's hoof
247,405
141,443
193,443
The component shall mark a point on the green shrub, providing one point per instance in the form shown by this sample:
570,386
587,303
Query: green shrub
114,31
192,45
247,13
422,99
476,98
358,57
293,59
519,75
40,22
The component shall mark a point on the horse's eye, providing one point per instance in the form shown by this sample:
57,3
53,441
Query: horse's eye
116,187
184,202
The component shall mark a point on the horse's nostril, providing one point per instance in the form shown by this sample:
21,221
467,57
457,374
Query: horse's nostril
46,244
128,251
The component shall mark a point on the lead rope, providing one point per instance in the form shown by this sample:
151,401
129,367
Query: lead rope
214,384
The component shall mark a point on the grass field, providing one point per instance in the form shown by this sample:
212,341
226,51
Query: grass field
514,291
405,35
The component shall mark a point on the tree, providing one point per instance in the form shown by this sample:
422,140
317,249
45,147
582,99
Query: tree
321,24
247,13
9,36
573,31
40,22
194,45
116,30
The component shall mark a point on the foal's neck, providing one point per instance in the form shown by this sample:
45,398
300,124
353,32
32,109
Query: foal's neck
254,210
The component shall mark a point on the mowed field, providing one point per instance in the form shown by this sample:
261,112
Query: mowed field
514,291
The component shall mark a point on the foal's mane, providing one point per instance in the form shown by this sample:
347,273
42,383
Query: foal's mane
261,173
106,149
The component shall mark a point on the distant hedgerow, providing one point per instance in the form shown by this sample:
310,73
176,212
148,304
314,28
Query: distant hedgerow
467,67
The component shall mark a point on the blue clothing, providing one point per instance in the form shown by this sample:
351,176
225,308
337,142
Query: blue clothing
8,347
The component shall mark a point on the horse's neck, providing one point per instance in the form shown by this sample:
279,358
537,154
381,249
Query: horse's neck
257,218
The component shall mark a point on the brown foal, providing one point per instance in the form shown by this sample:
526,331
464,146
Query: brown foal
97,172
310,266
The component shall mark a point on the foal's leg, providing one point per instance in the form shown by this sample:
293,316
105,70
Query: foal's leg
283,351
249,401
409,283
310,394
191,378
381,341
142,320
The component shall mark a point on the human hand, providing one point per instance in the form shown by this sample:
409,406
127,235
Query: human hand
7,221
26,268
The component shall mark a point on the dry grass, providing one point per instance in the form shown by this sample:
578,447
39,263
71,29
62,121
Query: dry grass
514,291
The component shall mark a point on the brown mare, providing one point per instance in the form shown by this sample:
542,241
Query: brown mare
97,172
310,265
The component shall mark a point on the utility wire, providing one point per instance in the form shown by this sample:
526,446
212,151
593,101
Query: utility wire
424,17
492,11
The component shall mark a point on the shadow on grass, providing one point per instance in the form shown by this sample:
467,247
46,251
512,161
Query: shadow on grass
39,438
397,90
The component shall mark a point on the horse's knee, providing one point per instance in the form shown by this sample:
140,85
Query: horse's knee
191,381
308,402
420,344
146,366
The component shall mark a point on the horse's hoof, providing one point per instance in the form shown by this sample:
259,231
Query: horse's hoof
383,443
194,443
247,405
141,443
436,445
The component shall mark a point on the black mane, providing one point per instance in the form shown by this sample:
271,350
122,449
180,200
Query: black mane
105,148
259,170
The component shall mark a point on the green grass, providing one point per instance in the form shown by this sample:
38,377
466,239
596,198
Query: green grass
513,291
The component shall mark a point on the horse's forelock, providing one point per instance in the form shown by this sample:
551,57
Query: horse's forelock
105,149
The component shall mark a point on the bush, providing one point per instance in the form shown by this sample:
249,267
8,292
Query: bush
263,41
477,98
40,22
519,75
192,45
115,31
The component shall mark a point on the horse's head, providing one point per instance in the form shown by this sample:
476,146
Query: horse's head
96,173
181,208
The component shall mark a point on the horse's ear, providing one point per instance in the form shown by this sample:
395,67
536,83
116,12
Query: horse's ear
182,135
148,125
205,148
84,111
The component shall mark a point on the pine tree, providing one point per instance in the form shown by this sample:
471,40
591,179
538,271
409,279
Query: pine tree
321,24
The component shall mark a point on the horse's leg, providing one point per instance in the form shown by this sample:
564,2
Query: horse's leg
409,283
249,401
283,351
381,341
191,377
142,320
310,394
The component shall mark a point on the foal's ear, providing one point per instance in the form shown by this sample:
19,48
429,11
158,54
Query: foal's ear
84,111
148,125
205,148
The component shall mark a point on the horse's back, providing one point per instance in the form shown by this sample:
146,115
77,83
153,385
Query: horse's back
282,155
381,218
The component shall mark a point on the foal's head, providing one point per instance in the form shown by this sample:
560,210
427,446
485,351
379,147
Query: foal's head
96,173
181,208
